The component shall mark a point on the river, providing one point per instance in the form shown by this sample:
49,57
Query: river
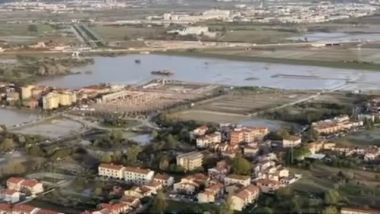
124,70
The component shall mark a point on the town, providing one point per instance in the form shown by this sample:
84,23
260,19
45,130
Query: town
189,106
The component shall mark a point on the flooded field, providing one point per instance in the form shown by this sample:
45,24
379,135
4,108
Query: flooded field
54,128
11,117
124,70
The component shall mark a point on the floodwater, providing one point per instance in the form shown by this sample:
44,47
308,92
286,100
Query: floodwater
338,37
124,70
273,125
11,117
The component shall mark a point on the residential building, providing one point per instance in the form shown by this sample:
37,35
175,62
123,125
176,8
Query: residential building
50,101
245,196
164,180
9,195
116,208
211,193
335,125
24,209
347,210
111,171
67,98
26,92
268,186
220,171
137,175
251,150
206,140
31,186
247,135
200,131
237,179
291,141
190,184
190,161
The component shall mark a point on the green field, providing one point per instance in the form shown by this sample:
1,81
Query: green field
362,187
361,138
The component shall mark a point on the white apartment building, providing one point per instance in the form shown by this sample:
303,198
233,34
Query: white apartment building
137,175
111,171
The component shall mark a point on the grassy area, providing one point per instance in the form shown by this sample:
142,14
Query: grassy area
189,207
123,33
361,138
363,187
21,29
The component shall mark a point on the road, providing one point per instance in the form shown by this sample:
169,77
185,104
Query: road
314,96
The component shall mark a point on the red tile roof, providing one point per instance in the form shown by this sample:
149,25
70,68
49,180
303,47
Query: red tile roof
23,208
15,180
30,183
5,207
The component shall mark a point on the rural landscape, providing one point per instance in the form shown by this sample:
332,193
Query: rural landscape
189,106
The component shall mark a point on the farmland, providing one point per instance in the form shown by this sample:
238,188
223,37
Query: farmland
236,105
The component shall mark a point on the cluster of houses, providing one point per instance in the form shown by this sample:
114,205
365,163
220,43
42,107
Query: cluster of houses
24,209
145,184
336,125
47,98
227,141
216,186
18,187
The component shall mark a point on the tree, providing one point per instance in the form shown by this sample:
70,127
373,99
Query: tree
7,145
106,158
33,28
159,203
164,163
171,142
332,197
225,207
241,166
117,135
132,153
330,210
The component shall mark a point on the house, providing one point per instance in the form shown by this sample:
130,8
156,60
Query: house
291,141
267,186
347,210
138,192
206,140
131,201
32,186
315,147
335,125
5,208
137,175
200,131
116,208
9,195
237,179
211,193
14,183
220,171
111,171
245,196
247,135
190,161
164,180
24,209
251,150
190,184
